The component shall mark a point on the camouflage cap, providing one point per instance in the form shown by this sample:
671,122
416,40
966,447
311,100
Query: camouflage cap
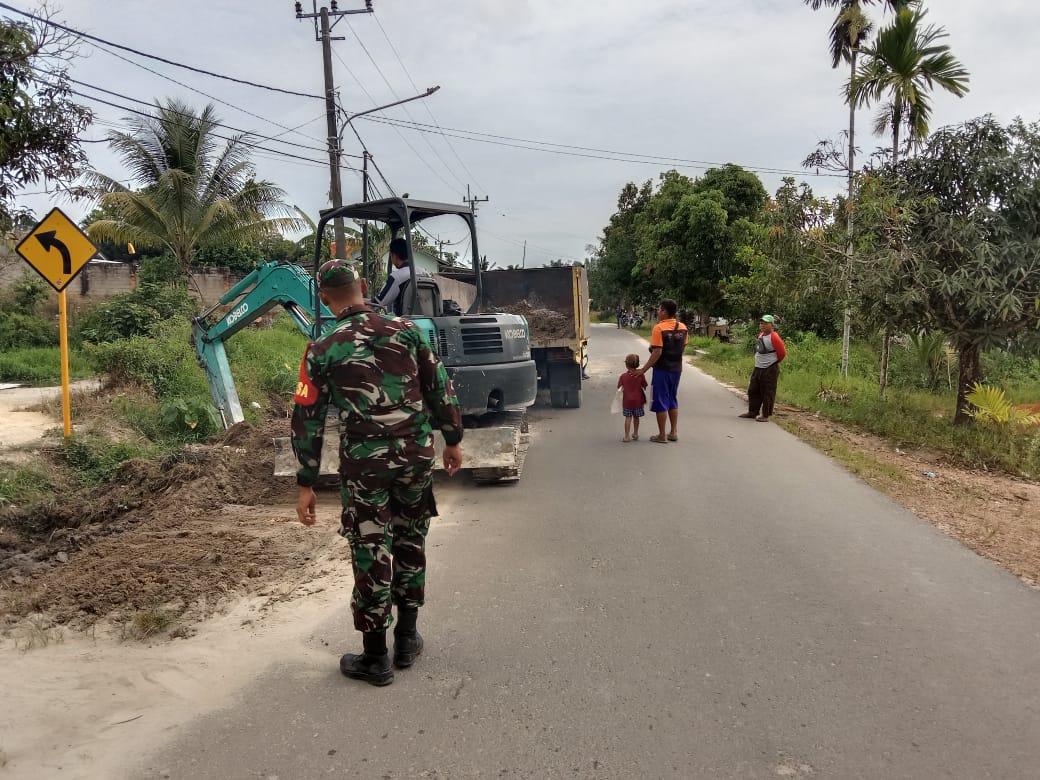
768,318
337,273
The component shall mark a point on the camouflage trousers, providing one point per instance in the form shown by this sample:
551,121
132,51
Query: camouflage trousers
387,506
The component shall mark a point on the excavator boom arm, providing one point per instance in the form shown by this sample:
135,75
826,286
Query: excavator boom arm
267,286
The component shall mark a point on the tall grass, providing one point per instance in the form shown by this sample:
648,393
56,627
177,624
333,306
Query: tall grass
909,415
41,366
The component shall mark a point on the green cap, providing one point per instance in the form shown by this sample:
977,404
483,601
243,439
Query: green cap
336,273
768,318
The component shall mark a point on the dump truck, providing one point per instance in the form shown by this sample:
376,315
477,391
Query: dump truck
555,302
487,355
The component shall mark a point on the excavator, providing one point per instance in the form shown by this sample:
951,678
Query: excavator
487,355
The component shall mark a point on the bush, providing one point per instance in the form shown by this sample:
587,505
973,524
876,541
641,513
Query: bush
267,361
135,313
29,291
1007,369
189,418
26,330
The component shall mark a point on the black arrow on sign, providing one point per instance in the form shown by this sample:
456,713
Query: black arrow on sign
47,240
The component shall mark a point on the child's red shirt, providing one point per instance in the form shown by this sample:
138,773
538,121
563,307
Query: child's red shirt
632,385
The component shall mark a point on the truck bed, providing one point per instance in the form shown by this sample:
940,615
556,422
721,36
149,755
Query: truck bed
545,296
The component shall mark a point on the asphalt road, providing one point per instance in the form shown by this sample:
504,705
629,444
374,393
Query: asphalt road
730,605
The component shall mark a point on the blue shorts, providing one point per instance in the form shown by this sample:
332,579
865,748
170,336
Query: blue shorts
665,385
637,412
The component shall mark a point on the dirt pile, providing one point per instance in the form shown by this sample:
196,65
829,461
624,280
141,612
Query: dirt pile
203,523
545,324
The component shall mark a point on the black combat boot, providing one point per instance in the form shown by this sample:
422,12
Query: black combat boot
408,643
373,665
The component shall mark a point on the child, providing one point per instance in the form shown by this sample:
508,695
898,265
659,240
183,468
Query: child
633,397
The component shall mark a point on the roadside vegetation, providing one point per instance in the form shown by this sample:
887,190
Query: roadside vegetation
915,411
910,304
155,397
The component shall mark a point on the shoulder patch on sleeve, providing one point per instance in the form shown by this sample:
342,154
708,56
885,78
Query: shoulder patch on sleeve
306,392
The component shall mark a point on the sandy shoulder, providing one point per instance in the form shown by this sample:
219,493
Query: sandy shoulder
75,705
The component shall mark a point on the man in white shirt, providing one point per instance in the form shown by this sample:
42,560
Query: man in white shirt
390,296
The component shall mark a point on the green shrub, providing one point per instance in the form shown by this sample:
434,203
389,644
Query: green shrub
137,360
29,291
26,330
135,313
189,418
1018,374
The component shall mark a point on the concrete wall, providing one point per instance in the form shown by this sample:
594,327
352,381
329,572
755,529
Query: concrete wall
102,279
99,280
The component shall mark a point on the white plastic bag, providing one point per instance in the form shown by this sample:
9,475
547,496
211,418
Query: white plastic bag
615,404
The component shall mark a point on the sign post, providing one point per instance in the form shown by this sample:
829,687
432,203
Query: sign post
58,250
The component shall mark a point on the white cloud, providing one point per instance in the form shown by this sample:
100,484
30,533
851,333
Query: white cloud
747,81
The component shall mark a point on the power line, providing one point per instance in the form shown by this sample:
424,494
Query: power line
398,97
253,134
429,110
96,39
204,94
566,149
408,143
278,152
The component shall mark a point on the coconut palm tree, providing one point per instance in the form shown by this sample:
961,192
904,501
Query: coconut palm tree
850,29
193,187
902,66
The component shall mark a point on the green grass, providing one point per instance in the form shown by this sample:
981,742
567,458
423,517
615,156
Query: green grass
94,460
23,484
907,415
41,366
266,362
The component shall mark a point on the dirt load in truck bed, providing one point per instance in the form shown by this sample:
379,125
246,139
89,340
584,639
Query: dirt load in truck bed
545,324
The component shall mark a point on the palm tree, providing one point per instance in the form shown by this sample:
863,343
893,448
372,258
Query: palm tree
848,32
903,65
192,190
905,62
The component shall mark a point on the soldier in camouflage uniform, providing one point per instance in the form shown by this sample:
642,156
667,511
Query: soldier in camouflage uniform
391,391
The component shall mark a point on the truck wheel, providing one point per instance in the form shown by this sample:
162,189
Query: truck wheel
566,399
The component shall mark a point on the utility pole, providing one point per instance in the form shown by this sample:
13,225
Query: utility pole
323,33
364,225
523,260
472,201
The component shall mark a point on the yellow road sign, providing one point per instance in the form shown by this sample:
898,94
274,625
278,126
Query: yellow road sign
57,249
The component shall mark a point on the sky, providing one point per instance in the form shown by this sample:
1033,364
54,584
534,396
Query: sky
705,82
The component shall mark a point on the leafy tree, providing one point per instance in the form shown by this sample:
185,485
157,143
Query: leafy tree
613,278
789,269
39,123
967,210
684,242
902,66
194,192
850,29
743,194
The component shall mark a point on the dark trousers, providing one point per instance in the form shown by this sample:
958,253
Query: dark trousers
761,391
